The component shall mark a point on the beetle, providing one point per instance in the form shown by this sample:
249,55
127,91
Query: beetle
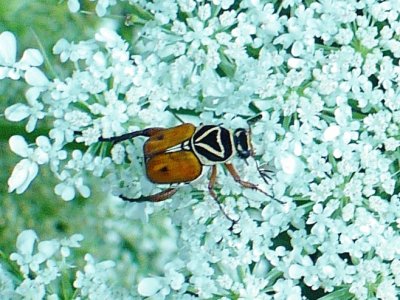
178,155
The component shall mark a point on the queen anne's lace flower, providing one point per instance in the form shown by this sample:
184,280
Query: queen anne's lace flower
323,75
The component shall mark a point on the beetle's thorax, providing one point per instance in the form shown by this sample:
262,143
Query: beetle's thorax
212,144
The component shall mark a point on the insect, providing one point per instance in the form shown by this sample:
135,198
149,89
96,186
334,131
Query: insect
178,155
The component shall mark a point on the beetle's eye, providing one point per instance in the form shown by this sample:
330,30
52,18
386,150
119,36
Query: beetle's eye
242,143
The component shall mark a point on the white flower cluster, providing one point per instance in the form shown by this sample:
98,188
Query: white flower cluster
44,267
325,77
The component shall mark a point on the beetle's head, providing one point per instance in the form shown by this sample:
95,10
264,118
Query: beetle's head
241,138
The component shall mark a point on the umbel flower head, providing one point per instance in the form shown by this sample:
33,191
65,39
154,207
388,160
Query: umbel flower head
323,76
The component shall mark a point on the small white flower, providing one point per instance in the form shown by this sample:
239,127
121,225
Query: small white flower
66,189
110,38
25,242
23,174
31,289
187,5
26,170
344,36
26,258
9,67
287,289
118,154
93,282
50,273
71,242
227,18
34,111
387,290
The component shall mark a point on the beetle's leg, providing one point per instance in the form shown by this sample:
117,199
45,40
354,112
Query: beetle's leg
211,184
243,183
247,184
130,135
161,196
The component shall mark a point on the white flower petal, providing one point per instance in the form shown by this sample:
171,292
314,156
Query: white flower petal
18,176
60,46
331,133
65,252
73,5
100,10
337,153
84,191
347,137
43,142
8,48
17,112
48,248
32,95
32,170
297,48
296,271
66,192
149,287
75,239
110,37
31,57
35,77
295,63
18,145
41,157
288,163
31,125
297,149
25,241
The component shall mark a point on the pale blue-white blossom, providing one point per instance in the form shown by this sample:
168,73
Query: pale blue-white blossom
70,185
26,257
20,111
71,242
72,51
9,67
31,289
43,263
26,170
327,96
92,282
